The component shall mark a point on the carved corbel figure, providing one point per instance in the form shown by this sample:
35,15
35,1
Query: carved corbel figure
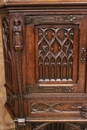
17,29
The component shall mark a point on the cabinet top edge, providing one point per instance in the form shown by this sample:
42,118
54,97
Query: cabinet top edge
11,6
41,3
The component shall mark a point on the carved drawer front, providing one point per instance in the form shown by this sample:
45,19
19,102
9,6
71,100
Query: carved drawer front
60,106
56,54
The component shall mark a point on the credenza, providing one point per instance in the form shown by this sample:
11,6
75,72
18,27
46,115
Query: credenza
45,58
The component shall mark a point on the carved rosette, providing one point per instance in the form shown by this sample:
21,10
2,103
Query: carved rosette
18,47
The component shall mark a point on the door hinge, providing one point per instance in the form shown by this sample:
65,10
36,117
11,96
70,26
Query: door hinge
21,121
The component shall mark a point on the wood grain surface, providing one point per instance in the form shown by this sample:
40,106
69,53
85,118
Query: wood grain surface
5,121
49,0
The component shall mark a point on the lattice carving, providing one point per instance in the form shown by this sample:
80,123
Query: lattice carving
54,108
55,53
7,51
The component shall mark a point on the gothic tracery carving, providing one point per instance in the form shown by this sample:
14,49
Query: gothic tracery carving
68,125
55,53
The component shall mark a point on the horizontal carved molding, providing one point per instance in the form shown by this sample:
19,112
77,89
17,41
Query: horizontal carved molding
49,19
51,89
54,107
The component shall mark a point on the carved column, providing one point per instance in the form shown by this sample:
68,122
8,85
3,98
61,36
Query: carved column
18,47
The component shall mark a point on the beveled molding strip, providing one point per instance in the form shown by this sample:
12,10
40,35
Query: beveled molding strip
51,89
49,19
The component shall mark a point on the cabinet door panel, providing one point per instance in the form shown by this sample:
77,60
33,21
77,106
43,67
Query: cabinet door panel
56,57
57,54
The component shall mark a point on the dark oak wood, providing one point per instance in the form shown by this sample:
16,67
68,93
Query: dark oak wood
45,57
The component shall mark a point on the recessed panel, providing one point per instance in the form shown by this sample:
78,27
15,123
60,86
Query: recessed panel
57,53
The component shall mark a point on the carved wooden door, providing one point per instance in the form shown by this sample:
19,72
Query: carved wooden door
56,66
56,50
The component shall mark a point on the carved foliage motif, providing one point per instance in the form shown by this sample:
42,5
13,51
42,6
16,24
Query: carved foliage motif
54,108
55,53
7,51
49,19
18,46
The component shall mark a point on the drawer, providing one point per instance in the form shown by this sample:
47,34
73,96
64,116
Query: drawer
56,107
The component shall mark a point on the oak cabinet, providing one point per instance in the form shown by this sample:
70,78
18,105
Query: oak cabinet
45,56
